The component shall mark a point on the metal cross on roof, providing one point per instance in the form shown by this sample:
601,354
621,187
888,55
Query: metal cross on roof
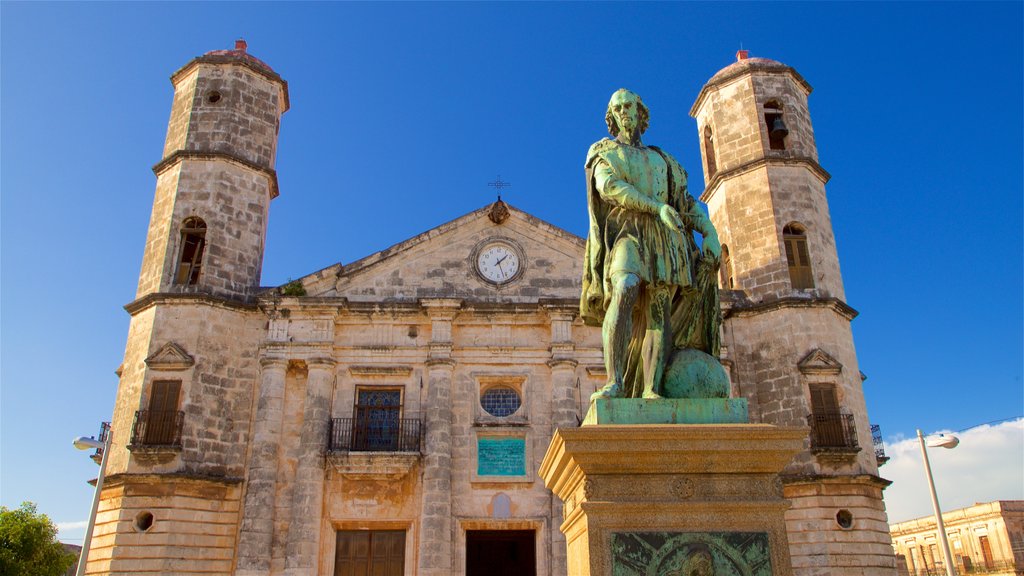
499,184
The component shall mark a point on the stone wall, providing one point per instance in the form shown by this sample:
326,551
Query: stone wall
191,531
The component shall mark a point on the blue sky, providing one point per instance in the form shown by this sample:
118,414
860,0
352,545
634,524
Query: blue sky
402,113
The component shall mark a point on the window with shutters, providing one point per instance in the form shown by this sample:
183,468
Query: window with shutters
193,244
728,283
797,257
830,427
986,552
370,553
160,424
709,152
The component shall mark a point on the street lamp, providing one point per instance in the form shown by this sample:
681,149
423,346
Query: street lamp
943,441
89,443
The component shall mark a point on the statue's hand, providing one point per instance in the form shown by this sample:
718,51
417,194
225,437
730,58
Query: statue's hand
712,247
671,218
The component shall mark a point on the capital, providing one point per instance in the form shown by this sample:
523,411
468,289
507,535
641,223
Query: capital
273,363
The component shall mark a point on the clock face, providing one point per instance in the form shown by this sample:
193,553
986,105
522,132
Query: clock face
498,263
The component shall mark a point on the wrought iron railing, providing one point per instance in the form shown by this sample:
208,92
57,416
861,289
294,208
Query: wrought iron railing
374,435
832,431
162,428
97,456
876,440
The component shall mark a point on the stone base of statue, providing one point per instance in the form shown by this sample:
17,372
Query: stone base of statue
671,499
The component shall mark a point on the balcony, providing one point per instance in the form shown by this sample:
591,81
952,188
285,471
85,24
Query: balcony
369,435
97,456
876,440
833,437
156,435
374,448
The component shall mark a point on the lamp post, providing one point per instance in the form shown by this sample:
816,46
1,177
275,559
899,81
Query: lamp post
942,441
88,443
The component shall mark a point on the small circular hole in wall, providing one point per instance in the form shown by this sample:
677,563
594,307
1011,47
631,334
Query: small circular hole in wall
213,98
845,519
143,521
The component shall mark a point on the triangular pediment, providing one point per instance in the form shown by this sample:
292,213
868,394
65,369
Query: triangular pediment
170,356
819,362
442,263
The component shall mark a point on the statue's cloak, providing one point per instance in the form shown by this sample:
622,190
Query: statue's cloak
695,312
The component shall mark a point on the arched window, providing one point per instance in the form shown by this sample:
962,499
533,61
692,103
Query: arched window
726,271
193,243
797,256
709,152
777,130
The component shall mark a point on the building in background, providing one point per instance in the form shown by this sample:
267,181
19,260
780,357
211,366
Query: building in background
390,414
984,539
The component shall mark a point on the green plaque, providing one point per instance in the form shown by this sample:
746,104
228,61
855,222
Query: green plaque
500,456
691,554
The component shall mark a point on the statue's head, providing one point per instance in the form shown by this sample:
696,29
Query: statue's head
626,106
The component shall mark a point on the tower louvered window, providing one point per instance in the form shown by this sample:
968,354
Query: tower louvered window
193,244
727,278
797,257
709,152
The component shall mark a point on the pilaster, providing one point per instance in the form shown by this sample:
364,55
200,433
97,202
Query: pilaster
257,532
307,499
435,557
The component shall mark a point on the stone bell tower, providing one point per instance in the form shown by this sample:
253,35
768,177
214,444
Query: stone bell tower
181,423
787,325
216,179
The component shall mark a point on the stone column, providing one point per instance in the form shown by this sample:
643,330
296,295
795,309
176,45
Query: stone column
435,547
303,544
257,532
563,412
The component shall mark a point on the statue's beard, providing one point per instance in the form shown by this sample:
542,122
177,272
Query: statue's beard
629,135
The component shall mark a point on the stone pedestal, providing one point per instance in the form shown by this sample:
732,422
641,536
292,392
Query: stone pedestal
667,499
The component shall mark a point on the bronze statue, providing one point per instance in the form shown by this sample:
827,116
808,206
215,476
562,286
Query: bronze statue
645,281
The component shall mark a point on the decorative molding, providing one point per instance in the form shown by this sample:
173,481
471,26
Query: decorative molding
596,370
562,363
750,67
170,356
153,455
805,161
740,309
205,155
245,61
172,298
380,371
372,465
819,362
440,363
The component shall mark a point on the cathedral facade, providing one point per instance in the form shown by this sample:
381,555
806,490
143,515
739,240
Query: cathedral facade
388,416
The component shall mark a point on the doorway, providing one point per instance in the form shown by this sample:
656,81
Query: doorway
501,553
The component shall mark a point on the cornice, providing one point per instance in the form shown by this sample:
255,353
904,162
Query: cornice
764,161
176,299
744,309
768,69
234,60
126,477
181,155
877,481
